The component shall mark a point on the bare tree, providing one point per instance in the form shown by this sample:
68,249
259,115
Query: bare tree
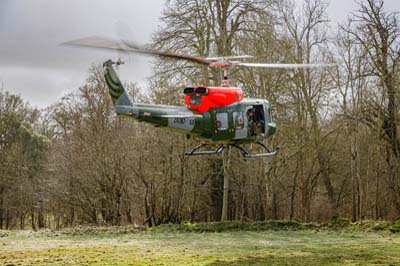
377,32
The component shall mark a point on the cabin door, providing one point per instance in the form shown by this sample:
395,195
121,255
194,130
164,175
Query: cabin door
256,120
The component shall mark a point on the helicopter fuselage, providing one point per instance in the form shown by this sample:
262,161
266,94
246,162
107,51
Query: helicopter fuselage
220,125
218,115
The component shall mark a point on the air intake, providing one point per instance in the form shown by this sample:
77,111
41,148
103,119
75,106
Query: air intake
188,91
201,91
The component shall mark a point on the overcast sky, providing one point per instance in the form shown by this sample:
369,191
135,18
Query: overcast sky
33,64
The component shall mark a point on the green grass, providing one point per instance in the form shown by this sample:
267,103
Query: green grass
270,243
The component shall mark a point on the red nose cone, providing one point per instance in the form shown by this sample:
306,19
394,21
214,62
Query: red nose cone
201,99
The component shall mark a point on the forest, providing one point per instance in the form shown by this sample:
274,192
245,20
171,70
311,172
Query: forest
77,163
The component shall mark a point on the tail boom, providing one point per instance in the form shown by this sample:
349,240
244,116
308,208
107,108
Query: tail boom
115,87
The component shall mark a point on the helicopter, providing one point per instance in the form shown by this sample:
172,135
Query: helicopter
218,116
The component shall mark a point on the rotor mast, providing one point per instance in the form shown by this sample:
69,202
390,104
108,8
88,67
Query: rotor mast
225,81
224,65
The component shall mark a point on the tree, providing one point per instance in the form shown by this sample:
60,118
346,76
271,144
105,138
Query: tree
205,28
377,32
22,157
306,34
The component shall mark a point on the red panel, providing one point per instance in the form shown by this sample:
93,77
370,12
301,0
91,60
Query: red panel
216,97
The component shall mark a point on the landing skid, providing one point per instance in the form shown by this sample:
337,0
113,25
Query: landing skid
246,154
195,150
220,148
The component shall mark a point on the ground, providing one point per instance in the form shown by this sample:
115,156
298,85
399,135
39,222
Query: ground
174,247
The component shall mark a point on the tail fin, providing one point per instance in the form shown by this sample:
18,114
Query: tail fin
115,87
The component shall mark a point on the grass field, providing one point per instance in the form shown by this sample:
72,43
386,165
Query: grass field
168,246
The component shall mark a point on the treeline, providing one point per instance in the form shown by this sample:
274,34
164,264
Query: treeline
77,163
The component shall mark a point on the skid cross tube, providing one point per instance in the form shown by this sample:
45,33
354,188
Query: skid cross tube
195,150
245,153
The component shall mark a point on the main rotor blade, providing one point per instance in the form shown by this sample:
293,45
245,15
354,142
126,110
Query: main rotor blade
99,42
225,58
140,49
284,66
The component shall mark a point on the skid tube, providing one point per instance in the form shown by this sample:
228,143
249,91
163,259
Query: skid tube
195,150
245,153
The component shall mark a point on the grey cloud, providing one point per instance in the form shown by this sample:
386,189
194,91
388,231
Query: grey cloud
33,64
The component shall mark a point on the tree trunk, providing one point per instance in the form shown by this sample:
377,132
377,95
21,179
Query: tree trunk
147,209
354,181
1,208
292,196
41,223
129,216
225,198
8,219
33,223
330,191
377,215
22,221
216,191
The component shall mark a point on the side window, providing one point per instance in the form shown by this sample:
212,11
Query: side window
222,121
238,120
